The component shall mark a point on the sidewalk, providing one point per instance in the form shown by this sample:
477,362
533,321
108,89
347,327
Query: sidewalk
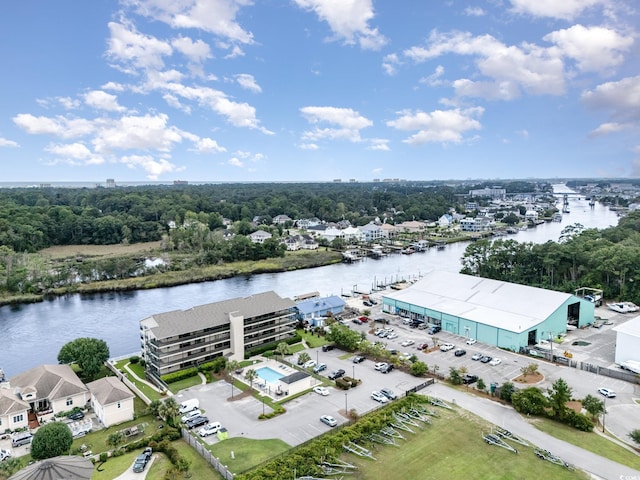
506,417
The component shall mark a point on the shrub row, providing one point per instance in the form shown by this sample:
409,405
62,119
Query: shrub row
271,346
180,375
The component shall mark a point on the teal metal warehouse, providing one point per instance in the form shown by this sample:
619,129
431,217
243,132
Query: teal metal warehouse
498,313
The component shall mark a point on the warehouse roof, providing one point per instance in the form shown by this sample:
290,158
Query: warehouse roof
179,322
320,304
504,305
632,327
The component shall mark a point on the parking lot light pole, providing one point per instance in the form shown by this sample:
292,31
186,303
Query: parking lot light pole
346,408
604,413
353,368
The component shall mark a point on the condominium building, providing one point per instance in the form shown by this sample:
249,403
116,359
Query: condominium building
181,339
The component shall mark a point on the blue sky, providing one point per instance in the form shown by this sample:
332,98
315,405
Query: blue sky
315,90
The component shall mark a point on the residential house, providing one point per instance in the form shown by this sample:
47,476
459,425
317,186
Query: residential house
389,231
413,226
353,234
307,242
259,236
445,220
372,232
14,412
281,219
292,242
180,339
304,223
314,309
53,388
111,400
478,224
331,233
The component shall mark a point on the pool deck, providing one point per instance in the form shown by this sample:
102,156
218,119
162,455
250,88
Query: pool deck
270,388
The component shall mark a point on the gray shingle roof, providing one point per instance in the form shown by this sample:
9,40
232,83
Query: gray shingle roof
10,403
49,381
178,322
109,390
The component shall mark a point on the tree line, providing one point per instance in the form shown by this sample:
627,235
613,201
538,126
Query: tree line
607,259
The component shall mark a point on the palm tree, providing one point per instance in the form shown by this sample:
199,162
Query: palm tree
169,410
303,358
282,349
251,376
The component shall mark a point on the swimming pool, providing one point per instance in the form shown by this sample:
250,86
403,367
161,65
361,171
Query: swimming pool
268,374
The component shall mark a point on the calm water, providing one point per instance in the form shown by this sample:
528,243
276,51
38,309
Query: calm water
31,335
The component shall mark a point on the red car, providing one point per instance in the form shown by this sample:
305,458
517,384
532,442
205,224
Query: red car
422,346
363,319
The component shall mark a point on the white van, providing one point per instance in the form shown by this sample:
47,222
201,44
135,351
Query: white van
20,439
189,405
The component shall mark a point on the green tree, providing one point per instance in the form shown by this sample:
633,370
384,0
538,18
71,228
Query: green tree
282,349
506,391
154,408
303,357
418,369
251,375
51,440
115,439
454,376
344,337
559,394
89,353
530,401
169,410
594,406
635,435
530,369
481,385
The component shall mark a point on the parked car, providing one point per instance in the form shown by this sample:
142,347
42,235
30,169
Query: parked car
363,319
358,359
77,415
336,374
319,367
477,356
423,326
367,303
4,454
471,341
210,429
189,415
142,460
328,420
486,359
607,392
326,348
379,397
445,347
422,346
196,422
356,321
407,343
309,364
380,365
433,330
387,392
460,352
392,335
321,390
469,379
495,362
387,368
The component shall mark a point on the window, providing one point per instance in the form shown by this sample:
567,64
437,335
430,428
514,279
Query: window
118,404
69,401
18,418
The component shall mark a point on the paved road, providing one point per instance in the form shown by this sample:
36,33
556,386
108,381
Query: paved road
507,417
131,475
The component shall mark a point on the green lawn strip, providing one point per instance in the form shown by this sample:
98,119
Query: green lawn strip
175,387
295,348
96,441
312,340
589,441
453,447
247,452
151,393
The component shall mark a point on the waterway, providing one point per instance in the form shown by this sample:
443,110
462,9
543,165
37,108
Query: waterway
33,334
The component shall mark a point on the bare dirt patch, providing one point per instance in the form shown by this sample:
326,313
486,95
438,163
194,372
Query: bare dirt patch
71,251
576,406
529,379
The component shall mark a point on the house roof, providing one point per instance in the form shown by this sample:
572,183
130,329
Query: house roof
11,403
631,327
48,381
316,304
503,305
174,323
109,390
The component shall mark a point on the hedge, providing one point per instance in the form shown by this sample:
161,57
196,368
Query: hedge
271,346
180,375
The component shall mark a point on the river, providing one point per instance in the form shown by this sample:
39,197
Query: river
33,334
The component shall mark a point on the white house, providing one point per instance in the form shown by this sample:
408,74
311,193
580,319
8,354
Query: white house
111,400
281,219
353,234
332,233
14,412
259,236
372,232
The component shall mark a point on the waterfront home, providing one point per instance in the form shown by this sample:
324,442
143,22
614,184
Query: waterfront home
111,400
259,236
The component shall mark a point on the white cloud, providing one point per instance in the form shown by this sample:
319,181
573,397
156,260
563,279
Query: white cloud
59,126
380,144
196,52
103,101
595,49
474,12
523,133
608,128
214,16
113,86
390,63
434,79
235,162
208,145
348,121
248,82
510,69
75,154
4,142
154,167
439,126
621,99
348,20
309,146
563,9
135,50
136,132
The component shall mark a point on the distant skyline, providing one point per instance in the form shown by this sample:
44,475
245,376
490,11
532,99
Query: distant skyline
316,90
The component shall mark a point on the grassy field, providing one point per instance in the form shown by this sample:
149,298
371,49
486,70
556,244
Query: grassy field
72,251
452,447
248,453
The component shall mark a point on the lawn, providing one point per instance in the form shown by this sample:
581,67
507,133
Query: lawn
312,341
452,447
589,441
247,452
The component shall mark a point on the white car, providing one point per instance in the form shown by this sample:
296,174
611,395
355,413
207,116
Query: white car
321,391
380,366
192,414
445,347
309,364
379,397
406,343
607,392
210,429
328,420
4,454
471,341
392,335
495,362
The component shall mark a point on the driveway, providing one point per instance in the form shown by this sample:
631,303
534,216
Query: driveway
131,475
